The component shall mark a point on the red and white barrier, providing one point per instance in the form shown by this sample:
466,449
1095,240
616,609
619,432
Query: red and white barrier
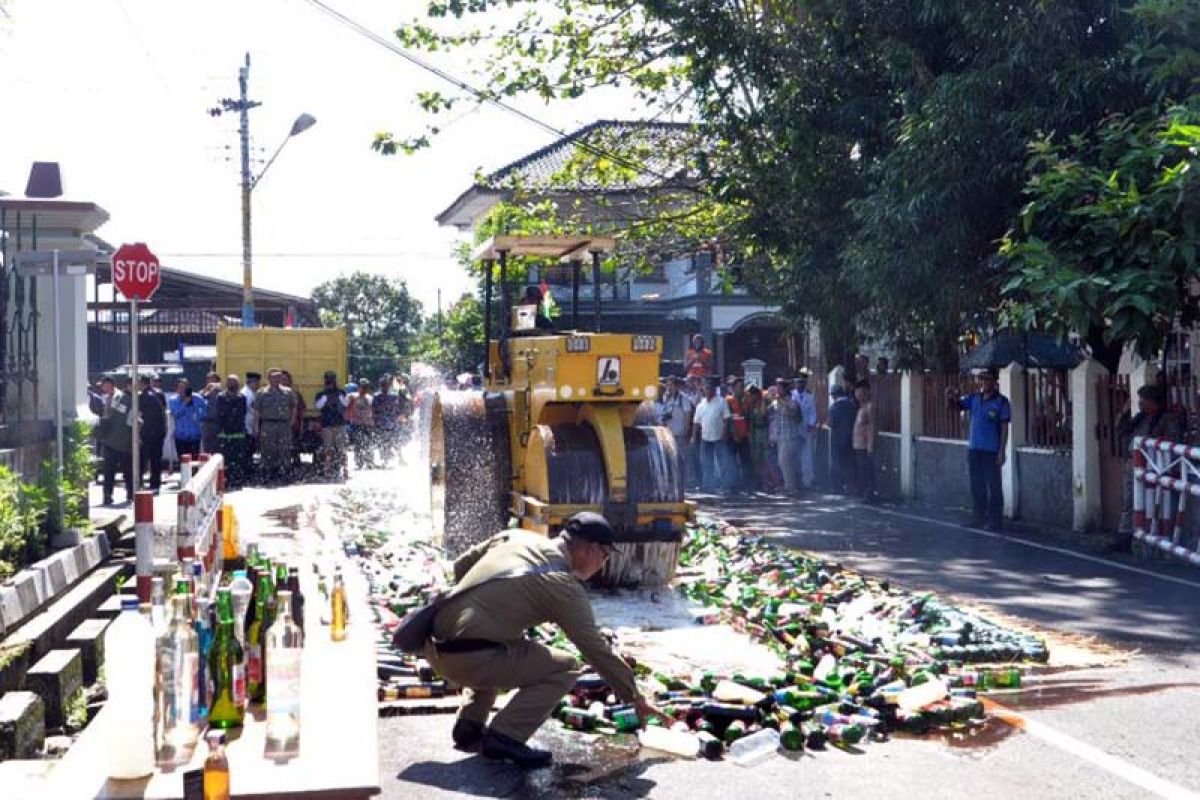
185,469
197,533
143,532
1164,475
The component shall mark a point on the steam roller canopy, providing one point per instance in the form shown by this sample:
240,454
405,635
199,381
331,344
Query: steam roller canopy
565,467
469,468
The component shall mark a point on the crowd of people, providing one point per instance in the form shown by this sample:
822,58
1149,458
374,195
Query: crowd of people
738,438
261,431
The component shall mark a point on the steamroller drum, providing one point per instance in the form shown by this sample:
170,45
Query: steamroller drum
655,475
573,465
469,468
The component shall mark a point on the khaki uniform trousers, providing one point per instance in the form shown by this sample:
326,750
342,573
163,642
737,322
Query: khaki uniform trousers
275,445
541,675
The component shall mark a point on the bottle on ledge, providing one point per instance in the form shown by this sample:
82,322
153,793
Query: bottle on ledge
337,599
284,645
256,634
216,768
227,707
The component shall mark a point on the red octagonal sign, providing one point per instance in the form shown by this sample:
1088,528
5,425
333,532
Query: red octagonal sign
135,271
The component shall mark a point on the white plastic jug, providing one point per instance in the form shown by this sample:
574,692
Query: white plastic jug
679,743
129,667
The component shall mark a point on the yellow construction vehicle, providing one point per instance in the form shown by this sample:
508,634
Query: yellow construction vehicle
561,426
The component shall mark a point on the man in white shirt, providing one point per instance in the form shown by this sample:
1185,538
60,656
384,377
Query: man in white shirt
250,392
674,411
808,429
710,431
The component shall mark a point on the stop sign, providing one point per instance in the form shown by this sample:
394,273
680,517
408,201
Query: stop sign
135,271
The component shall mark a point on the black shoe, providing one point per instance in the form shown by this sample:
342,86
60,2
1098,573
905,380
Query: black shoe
503,748
467,734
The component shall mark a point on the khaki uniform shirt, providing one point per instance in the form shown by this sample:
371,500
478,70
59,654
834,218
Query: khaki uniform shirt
503,610
275,404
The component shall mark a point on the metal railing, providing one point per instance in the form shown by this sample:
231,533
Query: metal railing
1047,409
940,419
1165,474
885,394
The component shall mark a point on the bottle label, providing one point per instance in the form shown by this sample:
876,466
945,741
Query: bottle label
190,686
239,684
254,664
283,681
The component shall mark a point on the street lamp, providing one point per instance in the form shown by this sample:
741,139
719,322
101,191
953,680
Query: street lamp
72,263
243,104
302,123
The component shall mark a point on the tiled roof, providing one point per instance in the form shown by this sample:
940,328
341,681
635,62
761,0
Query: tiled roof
663,150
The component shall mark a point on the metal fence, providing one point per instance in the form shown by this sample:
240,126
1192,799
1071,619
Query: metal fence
940,418
1047,408
1183,398
18,320
885,394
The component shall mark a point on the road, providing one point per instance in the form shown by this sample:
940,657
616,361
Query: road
1121,730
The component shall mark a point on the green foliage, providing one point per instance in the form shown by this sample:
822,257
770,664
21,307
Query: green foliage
76,709
23,509
457,346
76,477
861,159
382,320
1107,242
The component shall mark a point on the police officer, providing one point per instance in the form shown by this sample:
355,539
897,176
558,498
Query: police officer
275,408
478,640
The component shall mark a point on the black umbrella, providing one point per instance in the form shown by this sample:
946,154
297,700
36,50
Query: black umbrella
1030,350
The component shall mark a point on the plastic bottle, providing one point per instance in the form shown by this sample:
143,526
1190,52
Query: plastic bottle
730,692
241,589
679,743
914,698
130,662
825,667
757,747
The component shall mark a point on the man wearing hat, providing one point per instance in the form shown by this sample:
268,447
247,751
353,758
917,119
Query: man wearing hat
990,414
478,637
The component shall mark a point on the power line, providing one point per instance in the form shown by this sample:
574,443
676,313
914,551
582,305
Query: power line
479,94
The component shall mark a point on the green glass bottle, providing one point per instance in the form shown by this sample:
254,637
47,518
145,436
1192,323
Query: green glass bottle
791,737
228,707
734,731
256,658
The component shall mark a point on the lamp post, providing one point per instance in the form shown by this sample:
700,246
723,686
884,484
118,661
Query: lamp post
56,263
243,105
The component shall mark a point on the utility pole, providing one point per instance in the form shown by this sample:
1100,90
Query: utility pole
244,138
243,105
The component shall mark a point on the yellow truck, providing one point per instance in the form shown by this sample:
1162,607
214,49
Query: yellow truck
307,353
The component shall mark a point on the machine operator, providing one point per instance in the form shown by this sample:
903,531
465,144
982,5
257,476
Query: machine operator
478,637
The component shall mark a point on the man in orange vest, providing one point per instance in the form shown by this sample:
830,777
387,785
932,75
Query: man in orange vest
742,468
699,359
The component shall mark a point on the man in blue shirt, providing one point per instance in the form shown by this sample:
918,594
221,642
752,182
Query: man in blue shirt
990,413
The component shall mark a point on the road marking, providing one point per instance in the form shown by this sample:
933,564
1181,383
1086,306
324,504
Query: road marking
1036,545
1105,761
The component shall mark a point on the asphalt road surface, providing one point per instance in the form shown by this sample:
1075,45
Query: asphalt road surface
1123,730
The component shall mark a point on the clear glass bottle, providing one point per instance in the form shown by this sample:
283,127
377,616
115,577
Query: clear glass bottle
179,665
285,642
242,590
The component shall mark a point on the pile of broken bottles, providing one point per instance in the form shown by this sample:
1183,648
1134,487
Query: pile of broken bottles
859,658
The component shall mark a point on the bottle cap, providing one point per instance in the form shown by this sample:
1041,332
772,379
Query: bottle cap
129,603
239,573
215,737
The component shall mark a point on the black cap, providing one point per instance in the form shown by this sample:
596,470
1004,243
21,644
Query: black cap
590,526
254,376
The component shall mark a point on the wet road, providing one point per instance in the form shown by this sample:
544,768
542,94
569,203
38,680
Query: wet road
1123,730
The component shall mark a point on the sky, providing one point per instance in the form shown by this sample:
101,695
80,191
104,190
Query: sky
117,92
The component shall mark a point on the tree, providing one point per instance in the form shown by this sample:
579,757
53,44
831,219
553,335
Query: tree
456,343
867,155
382,320
1107,243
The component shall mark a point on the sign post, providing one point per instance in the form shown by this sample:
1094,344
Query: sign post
135,273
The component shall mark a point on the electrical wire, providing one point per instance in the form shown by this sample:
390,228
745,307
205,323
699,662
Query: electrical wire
480,95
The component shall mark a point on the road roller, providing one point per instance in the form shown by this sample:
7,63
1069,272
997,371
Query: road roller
563,424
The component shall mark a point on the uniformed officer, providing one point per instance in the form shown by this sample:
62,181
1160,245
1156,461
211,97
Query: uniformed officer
275,408
478,640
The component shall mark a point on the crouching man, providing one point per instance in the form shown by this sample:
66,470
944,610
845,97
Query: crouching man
478,637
